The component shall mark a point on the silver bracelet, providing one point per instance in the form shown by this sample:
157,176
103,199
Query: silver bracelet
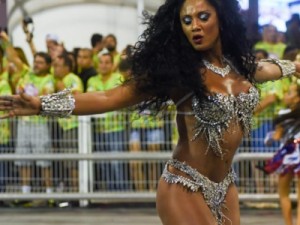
287,67
60,104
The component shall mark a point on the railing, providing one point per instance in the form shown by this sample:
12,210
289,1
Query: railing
103,186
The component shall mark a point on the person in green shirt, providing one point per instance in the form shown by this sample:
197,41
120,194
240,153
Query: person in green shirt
5,137
109,128
111,43
3,71
17,62
33,134
270,42
146,132
64,78
97,44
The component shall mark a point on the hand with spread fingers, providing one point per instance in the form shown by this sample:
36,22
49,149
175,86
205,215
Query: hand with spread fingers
19,105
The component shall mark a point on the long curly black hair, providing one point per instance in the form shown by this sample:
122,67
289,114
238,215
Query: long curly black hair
164,61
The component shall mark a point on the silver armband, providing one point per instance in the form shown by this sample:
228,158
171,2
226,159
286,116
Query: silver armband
60,104
287,67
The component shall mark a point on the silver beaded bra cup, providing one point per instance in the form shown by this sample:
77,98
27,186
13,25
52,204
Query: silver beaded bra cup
214,115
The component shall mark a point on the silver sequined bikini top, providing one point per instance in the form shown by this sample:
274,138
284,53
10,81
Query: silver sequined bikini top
214,115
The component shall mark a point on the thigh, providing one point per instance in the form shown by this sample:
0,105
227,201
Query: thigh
178,206
284,182
232,210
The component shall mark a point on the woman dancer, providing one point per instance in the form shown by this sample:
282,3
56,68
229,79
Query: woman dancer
195,53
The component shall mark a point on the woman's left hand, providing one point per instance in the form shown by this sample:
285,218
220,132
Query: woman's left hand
19,105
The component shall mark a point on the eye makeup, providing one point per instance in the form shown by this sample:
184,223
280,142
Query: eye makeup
203,16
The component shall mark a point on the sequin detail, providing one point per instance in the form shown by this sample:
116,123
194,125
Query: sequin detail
214,193
214,116
60,104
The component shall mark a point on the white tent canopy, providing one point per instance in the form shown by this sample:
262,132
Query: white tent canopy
74,21
17,8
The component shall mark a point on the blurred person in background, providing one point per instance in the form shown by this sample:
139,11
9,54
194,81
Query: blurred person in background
97,44
270,42
286,160
5,133
52,42
85,66
111,45
3,72
64,78
271,95
146,133
293,31
109,134
18,64
33,135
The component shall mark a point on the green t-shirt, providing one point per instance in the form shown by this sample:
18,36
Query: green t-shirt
95,61
17,76
145,120
35,86
278,87
73,82
111,121
276,50
117,59
4,76
5,132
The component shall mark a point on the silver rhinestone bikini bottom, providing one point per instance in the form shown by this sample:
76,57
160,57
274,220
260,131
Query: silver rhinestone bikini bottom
214,193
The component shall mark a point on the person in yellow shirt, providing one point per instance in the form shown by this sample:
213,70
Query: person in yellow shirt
109,131
64,78
111,43
270,42
5,138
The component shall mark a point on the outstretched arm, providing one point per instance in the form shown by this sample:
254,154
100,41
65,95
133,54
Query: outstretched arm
85,104
11,53
29,38
111,100
267,71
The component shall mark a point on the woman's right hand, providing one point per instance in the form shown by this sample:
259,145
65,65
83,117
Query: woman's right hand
19,105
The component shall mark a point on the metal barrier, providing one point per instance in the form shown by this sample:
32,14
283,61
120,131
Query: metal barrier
96,172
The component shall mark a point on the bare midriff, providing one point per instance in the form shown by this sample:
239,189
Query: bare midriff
196,154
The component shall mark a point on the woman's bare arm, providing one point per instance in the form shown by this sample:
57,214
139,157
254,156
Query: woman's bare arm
267,71
11,53
85,104
111,100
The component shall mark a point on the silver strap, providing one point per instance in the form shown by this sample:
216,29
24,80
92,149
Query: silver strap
287,67
60,104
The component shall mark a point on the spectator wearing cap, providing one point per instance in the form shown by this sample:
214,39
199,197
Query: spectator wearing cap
52,40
